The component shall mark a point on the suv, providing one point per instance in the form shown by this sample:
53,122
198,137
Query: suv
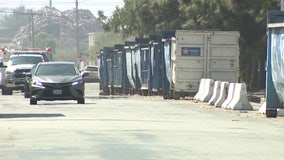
93,73
15,73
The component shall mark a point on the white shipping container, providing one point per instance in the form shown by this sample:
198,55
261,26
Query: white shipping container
204,54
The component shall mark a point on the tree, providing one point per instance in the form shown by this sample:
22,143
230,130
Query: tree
11,22
139,18
248,17
43,40
103,39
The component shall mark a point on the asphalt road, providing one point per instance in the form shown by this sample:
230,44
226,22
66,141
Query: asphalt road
133,128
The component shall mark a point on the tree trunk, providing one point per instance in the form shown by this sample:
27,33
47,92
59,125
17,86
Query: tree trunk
254,73
261,75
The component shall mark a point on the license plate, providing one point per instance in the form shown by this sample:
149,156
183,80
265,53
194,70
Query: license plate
57,92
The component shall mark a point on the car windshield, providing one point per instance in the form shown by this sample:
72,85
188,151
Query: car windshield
57,69
92,69
25,60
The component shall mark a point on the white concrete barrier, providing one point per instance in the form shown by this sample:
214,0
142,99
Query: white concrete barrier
216,93
262,108
223,94
240,100
200,89
280,112
229,96
208,90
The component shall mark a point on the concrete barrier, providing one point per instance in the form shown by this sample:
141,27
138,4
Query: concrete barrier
208,90
240,100
262,108
223,94
216,93
229,96
200,89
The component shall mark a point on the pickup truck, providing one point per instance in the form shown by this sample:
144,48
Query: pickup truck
15,73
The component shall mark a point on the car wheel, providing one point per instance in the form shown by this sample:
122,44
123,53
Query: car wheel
4,91
33,101
9,91
81,101
27,95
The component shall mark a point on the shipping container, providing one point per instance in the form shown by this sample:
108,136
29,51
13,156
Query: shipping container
202,54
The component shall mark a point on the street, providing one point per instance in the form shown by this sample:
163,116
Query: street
133,128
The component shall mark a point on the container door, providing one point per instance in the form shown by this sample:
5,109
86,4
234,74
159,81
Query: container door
167,76
223,55
156,67
129,67
145,68
137,68
119,69
190,60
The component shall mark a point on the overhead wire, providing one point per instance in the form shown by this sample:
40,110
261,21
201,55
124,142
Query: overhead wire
67,4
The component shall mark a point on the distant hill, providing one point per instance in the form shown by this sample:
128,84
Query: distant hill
62,25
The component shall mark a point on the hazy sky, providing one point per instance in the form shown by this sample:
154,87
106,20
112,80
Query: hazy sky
108,6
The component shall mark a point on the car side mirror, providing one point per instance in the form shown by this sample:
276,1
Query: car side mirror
84,74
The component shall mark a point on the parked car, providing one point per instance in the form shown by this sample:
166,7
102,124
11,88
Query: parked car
93,73
55,81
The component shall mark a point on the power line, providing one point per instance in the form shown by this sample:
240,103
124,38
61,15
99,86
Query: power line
61,3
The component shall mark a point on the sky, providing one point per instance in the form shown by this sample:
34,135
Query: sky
107,6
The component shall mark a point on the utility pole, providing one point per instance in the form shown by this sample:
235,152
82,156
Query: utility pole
32,29
77,29
50,3
282,5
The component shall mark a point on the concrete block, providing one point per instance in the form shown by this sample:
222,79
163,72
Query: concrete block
216,93
240,100
230,95
200,89
208,90
223,94
262,108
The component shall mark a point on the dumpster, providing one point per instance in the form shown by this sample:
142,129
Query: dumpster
106,70
128,75
167,63
203,54
2,75
155,45
142,65
192,55
275,63
117,68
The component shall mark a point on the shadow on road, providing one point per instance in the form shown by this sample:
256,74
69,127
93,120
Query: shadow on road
30,115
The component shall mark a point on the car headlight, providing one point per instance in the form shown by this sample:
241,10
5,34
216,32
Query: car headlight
9,75
36,83
77,83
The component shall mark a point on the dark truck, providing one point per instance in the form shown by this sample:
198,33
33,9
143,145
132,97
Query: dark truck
20,63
